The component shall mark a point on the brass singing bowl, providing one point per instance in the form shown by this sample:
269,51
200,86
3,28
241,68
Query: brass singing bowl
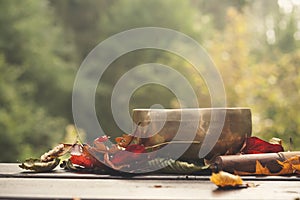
162,126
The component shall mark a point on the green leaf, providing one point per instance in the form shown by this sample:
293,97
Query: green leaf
176,166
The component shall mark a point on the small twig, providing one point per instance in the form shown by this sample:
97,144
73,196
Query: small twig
290,144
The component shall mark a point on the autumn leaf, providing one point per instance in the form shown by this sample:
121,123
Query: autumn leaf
131,153
81,156
39,166
103,138
135,148
124,141
56,152
225,179
289,166
254,145
171,166
100,145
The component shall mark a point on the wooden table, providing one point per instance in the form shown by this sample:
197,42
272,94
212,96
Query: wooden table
15,183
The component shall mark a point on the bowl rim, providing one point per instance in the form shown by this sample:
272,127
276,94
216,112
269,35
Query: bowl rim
190,114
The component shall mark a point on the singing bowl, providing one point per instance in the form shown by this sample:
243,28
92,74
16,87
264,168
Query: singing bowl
179,127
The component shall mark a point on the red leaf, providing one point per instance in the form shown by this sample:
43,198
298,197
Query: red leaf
103,138
131,153
135,148
255,145
82,161
99,143
80,155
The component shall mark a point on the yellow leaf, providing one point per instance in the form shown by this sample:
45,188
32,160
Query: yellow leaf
225,179
290,166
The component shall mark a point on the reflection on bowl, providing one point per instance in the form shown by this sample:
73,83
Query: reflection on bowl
182,126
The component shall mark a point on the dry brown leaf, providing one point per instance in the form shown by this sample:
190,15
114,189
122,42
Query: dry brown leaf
275,140
56,152
38,166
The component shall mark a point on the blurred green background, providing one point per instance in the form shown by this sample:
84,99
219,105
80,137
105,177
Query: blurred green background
254,44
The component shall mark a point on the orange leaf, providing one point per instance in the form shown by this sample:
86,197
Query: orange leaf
225,179
259,170
289,166
124,141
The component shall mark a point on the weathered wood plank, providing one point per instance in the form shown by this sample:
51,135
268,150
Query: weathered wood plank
14,183
140,189
12,170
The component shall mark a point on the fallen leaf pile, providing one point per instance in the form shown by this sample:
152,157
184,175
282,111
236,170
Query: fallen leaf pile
128,154
125,155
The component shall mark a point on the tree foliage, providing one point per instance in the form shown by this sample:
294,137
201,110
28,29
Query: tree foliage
35,79
254,44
